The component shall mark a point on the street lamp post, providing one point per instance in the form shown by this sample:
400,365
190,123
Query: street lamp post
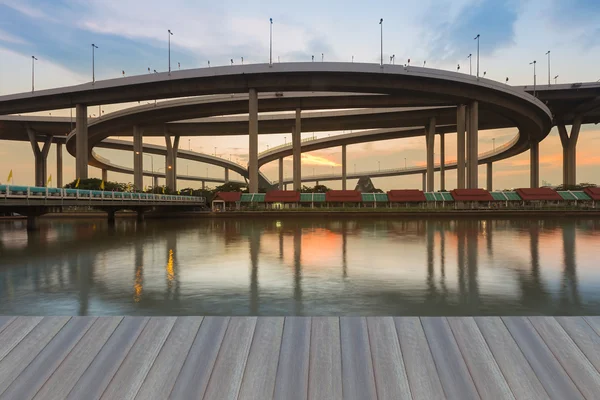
33,59
381,24
477,38
470,63
534,76
404,162
494,144
151,160
271,42
190,144
93,63
379,163
548,54
170,34
555,78
215,151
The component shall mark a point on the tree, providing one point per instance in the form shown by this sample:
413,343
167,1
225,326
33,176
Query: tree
315,189
229,187
580,186
94,184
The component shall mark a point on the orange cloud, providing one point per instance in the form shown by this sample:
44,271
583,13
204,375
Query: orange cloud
309,159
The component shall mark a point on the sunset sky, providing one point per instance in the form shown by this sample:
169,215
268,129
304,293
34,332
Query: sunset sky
132,36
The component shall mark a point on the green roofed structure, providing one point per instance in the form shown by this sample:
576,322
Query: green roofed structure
574,195
253,198
438,196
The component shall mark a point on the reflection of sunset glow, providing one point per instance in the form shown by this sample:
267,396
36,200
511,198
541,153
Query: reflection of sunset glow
170,271
319,245
316,160
138,286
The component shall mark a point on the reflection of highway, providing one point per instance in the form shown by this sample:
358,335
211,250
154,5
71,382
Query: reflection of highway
302,267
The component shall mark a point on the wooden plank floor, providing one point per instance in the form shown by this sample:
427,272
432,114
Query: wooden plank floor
299,357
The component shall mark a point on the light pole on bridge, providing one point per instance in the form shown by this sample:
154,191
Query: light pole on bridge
477,38
33,60
170,34
381,24
548,54
93,63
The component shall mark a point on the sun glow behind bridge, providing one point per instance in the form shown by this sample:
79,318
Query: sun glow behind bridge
316,160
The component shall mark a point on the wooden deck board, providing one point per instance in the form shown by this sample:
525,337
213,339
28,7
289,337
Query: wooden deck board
451,367
291,381
161,378
557,383
299,357
261,367
357,364
388,365
325,369
568,354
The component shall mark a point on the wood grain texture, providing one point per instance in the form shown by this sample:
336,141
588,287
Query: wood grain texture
292,372
228,371
193,377
5,321
568,354
451,367
132,372
162,376
484,370
325,369
19,358
594,323
15,332
421,371
97,376
58,386
514,366
26,385
555,380
584,336
388,365
261,367
358,379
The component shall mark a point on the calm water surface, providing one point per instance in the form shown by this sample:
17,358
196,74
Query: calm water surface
301,266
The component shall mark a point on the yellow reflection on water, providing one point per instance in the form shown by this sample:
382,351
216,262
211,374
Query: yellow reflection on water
170,271
138,286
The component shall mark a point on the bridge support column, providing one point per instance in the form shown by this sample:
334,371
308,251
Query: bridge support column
472,145
105,175
344,167
81,150
40,156
203,185
489,177
569,145
140,215
442,162
32,222
534,168
111,217
226,175
460,146
138,159
59,165
297,152
430,141
424,181
253,141
155,181
281,173
171,161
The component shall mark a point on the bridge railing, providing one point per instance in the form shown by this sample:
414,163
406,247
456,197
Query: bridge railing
32,192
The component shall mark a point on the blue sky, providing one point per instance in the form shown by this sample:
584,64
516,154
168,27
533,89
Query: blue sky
132,36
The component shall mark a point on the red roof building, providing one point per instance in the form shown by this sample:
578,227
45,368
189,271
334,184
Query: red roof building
343,196
471,195
593,192
282,196
530,194
228,197
406,196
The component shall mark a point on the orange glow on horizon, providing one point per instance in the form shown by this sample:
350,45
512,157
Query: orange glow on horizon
316,160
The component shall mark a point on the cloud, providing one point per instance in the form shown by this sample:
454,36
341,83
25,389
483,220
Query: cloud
309,159
7,37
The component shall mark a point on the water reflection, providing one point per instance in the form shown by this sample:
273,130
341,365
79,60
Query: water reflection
301,267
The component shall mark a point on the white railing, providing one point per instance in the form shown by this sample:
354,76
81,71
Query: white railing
31,192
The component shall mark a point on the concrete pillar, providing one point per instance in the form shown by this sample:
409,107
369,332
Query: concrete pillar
203,185
424,181
59,165
155,181
32,222
40,157
467,125
430,141
226,175
460,145
316,183
472,145
442,162
171,161
344,167
489,177
253,140
569,145
280,186
81,150
105,175
297,151
534,168
138,159
285,186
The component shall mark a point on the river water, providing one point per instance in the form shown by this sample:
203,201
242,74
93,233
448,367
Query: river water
301,266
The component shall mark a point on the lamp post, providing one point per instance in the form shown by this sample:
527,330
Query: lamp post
33,59
404,162
381,24
494,144
477,38
313,58
548,54
534,76
379,164
242,60
151,160
555,78
93,63
190,144
470,63
170,34
215,151
271,41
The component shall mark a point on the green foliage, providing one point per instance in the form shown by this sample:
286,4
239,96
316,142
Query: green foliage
230,187
94,184
580,186
315,189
